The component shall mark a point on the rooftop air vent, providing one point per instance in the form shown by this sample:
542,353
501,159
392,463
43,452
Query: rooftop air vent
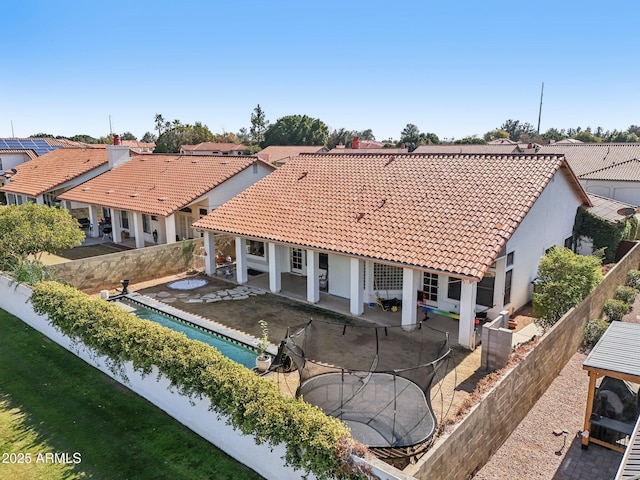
162,199
302,175
391,159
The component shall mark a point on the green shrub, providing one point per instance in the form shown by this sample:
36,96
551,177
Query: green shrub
633,279
314,442
615,309
626,294
594,330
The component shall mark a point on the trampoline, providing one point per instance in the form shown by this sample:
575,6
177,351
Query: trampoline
383,396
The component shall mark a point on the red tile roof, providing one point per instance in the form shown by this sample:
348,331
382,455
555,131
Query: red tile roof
492,148
447,213
51,170
624,171
585,158
283,153
159,184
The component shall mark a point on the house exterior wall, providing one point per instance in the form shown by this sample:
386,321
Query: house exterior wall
240,182
339,276
548,223
10,160
627,192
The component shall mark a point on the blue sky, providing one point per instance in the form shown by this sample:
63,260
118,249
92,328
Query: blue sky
455,68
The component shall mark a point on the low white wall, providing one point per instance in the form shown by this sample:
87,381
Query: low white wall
194,413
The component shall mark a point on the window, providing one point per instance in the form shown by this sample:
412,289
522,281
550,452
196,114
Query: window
387,277
507,286
430,287
146,224
453,288
203,212
255,248
568,243
510,257
484,293
124,217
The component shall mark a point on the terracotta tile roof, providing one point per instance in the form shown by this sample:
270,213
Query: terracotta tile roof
212,147
624,171
158,184
49,171
282,153
495,148
447,213
607,208
585,158
383,151
134,144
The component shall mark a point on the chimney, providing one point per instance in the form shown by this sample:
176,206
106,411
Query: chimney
116,140
117,154
529,146
355,142
403,146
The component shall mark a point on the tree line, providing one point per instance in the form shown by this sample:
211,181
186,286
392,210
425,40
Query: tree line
305,130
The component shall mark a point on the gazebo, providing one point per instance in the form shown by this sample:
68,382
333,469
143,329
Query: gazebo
616,356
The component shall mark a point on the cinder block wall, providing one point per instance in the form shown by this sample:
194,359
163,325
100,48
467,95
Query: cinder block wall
105,272
472,441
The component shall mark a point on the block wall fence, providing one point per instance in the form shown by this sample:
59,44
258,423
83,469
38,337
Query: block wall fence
463,451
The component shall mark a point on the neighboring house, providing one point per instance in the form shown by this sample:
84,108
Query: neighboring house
464,233
212,148
139,147
42,179
155,198
500,146
367,146
278,155
607,169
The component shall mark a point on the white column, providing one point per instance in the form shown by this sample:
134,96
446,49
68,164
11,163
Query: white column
410,285
498,285
170,227
138,231
209,253
241,260
467,314
116,226
313,274
369,292
93,218
356,281
275,277
40,199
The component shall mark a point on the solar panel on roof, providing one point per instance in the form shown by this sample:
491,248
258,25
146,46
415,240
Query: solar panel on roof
39,146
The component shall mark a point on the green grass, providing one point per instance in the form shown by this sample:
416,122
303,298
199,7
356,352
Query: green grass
51,401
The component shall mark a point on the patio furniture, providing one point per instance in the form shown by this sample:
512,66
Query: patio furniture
85,223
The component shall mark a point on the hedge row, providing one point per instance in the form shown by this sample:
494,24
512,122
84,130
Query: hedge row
314,442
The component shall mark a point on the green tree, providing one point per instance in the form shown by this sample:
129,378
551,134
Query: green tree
410,136
515,129
495,135
336,137
429,139
565,279
84,139
259,125
621,137
161,124
473,140
296,130
30,229
587,137
178,134
554,134
148,137
366,134
128,136
41,135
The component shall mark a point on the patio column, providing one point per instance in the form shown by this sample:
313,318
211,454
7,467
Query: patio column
356,282
40,200
498,285
410,286
241,260
275,277
209,253
93,218
170,227
369,293
313,277
138,231
466,335
116,226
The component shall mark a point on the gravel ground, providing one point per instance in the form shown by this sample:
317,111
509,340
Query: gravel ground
533,451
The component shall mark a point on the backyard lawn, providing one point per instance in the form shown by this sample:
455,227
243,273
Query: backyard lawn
51,402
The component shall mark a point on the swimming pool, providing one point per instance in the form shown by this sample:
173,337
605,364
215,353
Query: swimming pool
236,351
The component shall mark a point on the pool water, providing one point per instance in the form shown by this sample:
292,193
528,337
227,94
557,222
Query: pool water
236,352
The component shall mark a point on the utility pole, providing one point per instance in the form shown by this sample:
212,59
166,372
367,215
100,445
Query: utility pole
111,130
13,135
540,111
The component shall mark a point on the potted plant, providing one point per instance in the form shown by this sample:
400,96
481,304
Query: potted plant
263,360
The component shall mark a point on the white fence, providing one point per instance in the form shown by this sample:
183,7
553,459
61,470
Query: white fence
194,413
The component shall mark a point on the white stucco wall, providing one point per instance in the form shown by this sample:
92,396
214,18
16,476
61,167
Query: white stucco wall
623,191
339,276
548,223
238,183
10,160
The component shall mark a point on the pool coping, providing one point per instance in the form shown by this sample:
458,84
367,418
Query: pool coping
201,322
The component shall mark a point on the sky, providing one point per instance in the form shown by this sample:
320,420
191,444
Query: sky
454,68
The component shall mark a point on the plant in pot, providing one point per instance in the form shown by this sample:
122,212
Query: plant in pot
263,360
